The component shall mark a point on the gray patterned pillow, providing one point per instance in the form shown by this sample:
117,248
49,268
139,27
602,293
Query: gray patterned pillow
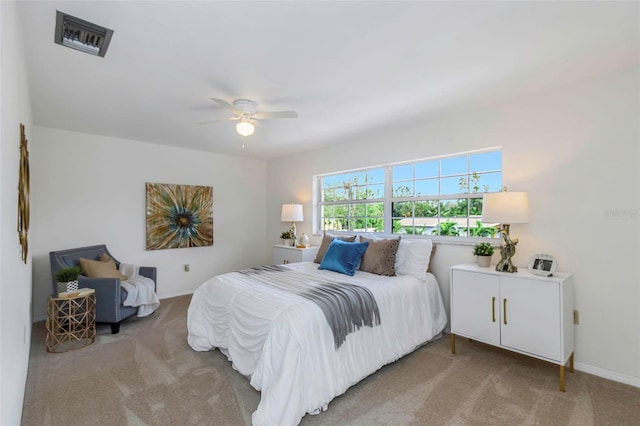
380,257
326,241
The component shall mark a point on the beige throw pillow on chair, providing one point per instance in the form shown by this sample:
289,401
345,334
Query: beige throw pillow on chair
100,269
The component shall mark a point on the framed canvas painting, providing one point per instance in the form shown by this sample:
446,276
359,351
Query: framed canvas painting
179,216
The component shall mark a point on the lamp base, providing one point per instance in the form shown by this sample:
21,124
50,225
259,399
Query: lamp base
507,251
294,236
506,266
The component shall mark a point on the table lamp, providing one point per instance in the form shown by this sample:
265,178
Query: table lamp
292,213
506,208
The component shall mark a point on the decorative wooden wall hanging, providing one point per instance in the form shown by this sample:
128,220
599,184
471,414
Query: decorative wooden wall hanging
23,195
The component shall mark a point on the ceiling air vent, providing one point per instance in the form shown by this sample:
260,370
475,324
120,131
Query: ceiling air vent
81,35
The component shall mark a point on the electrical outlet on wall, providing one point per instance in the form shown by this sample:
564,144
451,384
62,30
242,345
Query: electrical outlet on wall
576,317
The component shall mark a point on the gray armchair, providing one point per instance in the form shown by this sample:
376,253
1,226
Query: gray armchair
109,293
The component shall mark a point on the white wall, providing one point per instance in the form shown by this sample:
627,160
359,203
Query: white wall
90,189
15,276
575,150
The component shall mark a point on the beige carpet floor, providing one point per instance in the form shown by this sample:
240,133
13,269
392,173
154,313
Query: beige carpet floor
148,375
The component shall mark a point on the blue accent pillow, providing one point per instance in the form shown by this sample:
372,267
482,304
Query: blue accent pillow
343,257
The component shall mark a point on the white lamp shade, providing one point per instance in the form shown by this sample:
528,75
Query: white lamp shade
245,128
505,207
291,213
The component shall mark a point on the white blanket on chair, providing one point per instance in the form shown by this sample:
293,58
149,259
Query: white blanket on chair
140,290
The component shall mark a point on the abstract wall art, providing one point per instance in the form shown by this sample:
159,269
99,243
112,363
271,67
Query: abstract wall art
179,216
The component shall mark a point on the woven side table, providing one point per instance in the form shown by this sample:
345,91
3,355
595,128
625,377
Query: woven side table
71,321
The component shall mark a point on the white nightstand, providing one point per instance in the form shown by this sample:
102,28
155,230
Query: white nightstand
520,312
286,254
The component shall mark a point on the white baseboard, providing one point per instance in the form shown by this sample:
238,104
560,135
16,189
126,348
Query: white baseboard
169,295
608,374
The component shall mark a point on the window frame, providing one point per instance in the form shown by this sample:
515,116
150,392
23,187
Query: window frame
388,199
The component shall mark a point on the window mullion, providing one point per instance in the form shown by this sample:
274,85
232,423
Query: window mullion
388,200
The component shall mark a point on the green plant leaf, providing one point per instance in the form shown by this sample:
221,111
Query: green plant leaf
68,274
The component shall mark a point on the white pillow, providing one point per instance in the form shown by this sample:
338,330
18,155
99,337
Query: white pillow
413,257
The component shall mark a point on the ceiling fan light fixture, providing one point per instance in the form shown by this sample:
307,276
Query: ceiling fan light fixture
245,128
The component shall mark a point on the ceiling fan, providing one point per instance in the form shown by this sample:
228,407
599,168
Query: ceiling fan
245,112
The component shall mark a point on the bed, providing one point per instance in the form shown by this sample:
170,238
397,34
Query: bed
304,335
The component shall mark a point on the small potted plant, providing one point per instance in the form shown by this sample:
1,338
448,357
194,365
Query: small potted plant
483,252
68,278
286,237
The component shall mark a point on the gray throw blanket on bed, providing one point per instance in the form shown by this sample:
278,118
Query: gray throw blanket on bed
347,307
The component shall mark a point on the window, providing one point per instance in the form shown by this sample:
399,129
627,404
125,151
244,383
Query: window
439,196
353,201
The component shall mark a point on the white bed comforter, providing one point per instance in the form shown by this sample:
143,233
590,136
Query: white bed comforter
283,343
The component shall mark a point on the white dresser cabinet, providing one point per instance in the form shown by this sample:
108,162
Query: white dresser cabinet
521,312
286,254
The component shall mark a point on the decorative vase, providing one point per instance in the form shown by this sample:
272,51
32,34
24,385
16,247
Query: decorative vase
67,286
483,261
303,240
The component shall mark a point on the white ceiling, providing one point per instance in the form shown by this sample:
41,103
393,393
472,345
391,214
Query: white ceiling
345,67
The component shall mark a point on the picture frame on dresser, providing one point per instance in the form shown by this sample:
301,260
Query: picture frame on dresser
543,264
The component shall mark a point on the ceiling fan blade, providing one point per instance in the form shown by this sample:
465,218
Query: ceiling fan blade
225,104
276,114
219,119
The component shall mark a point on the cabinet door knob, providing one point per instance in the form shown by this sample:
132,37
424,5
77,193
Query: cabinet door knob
286,261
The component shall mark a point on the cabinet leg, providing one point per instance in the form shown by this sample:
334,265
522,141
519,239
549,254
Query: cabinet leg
453,343
571,363
562,372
